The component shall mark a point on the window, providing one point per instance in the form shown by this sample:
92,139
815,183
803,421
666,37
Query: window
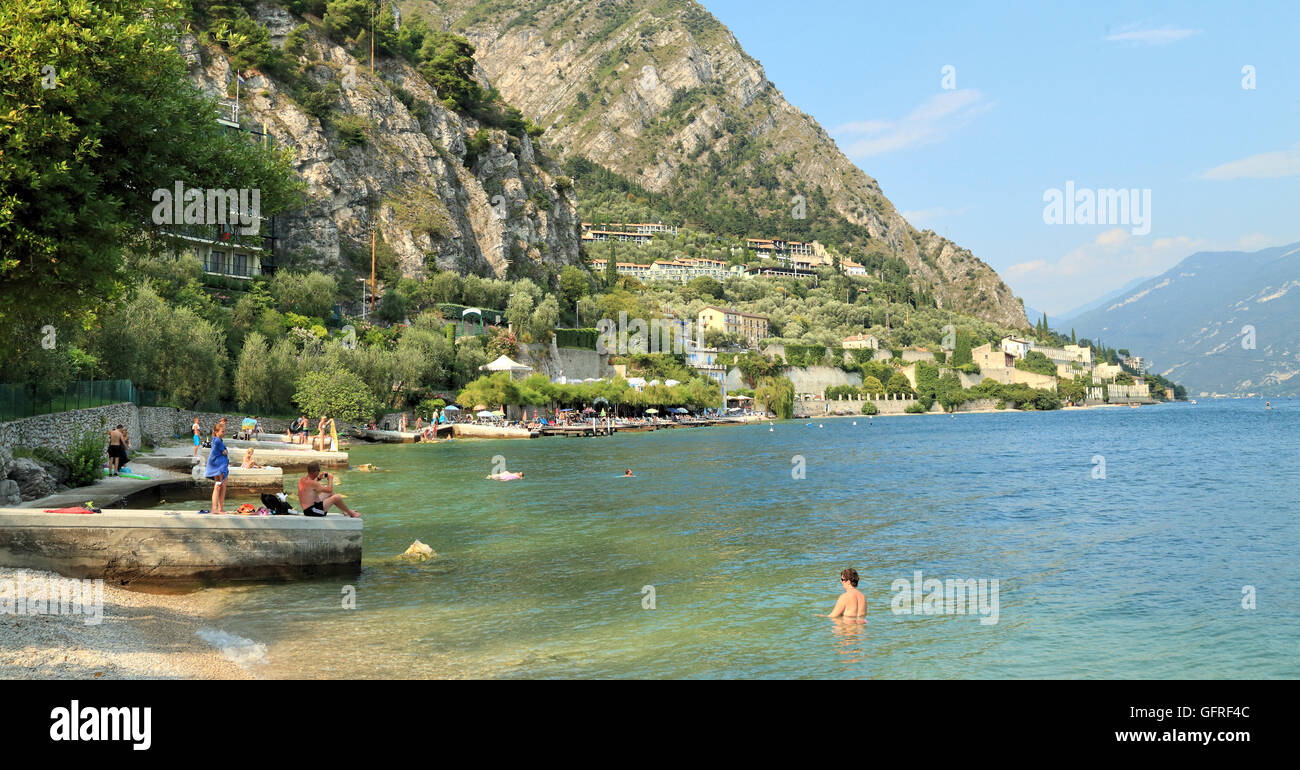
217,262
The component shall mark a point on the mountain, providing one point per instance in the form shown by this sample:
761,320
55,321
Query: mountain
1096,303
1218,322
660,93
443,190
1062,322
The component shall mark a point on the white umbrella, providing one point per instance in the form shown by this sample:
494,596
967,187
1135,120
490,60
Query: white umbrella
484,413
504,364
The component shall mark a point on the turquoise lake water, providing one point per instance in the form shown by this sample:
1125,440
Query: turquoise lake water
1137,575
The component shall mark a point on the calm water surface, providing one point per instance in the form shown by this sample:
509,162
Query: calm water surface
1139,574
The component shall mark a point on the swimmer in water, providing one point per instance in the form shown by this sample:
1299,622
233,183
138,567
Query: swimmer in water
851,604
628,474
506,476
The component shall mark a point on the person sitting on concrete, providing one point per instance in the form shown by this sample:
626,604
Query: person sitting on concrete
248,461
316,493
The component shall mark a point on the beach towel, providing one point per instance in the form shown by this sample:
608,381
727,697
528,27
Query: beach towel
70,510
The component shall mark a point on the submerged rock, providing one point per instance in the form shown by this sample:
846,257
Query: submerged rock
418,552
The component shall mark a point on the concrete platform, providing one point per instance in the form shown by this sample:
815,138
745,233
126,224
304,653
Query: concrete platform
178,547
471,430
180,458
249,480
389,436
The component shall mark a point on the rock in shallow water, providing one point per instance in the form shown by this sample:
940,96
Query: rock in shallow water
418,552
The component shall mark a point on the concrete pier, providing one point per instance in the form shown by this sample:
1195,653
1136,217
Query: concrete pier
178,547
389,436
473,430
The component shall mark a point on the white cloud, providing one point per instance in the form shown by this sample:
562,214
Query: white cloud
1265,165
931,122
1137,35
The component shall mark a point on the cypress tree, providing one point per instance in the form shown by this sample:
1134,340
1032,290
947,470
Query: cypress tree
611,267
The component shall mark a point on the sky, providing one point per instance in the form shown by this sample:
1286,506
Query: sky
970,115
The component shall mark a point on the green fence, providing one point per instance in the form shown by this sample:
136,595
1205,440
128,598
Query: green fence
19,401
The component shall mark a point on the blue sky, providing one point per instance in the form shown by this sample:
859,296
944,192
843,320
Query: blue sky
1106,95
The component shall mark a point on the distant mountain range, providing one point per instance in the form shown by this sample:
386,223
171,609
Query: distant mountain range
1061,323
1218,322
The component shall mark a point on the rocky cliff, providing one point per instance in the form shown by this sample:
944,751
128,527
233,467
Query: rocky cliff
662,93
389,154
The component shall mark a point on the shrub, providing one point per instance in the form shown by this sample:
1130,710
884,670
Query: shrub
353,130
84,459
915,408
869,408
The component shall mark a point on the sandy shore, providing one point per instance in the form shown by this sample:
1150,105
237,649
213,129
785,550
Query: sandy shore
141,636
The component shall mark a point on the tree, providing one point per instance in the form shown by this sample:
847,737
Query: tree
776,394
335,392
545,318
574,285
447,62
1035,361
445,287
253,373
519,311
310,294
705,288
611,268
347,18
898,384
84,157
392,307
961,354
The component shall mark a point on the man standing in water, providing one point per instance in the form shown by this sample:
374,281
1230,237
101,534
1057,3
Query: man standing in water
316,493
851,604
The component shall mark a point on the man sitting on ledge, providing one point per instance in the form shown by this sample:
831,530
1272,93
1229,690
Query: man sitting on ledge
316,493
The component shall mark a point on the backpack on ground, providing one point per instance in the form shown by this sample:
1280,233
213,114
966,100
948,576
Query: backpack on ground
275,505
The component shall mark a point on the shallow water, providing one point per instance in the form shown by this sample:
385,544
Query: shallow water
1139,574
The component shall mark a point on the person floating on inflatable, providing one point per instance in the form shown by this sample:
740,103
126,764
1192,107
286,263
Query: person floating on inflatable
506,476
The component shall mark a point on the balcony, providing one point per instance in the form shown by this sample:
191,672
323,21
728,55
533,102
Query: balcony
231,236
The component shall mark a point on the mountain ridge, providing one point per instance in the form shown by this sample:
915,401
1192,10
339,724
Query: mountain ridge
1219,322
662,93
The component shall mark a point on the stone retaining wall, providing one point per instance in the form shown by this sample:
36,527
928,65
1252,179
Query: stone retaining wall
58,431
